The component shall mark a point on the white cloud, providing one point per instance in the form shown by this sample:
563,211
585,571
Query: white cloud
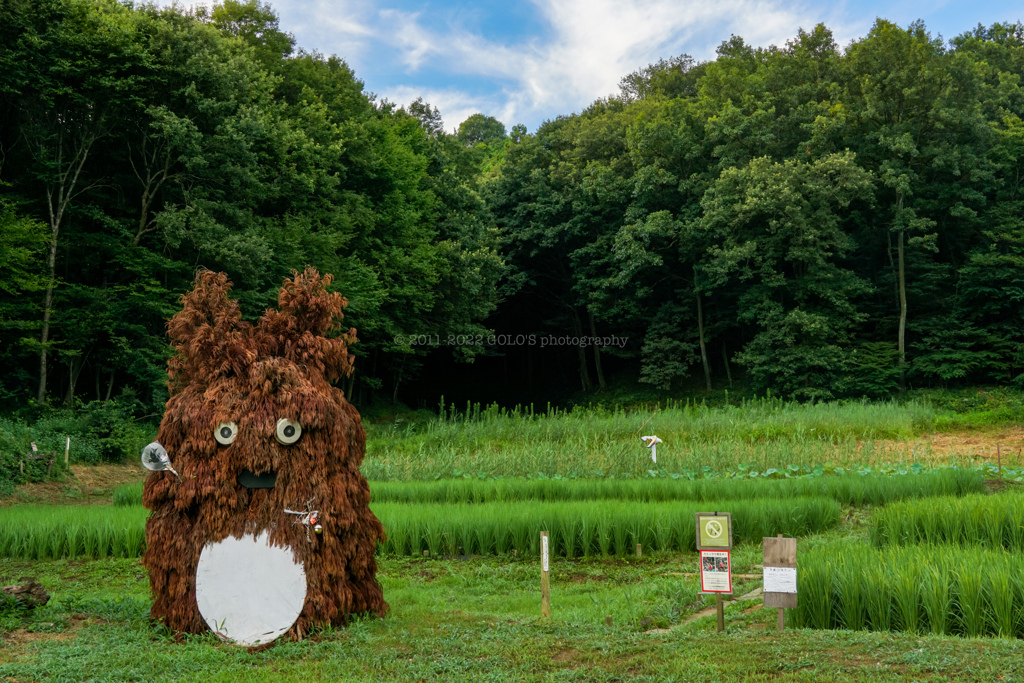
587,47
593,44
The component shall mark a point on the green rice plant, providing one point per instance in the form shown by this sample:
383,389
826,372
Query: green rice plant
879,598
815,589
47,532
906,592
128,494
850,599
968,602
967,591
576,527
988,521
847,489
935,599
1000,593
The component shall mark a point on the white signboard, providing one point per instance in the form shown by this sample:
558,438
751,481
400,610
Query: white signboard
715,571
544,553
779,580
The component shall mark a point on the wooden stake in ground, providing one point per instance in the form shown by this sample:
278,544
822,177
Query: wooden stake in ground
780,574
67,450
545,577
720,608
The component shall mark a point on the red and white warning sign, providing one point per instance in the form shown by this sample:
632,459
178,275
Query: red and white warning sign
715,571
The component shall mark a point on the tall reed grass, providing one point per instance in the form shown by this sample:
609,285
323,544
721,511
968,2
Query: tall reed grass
594,441
581,529
919,589
39,532
989,521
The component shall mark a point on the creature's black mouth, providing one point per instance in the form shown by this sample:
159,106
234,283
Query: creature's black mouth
257,481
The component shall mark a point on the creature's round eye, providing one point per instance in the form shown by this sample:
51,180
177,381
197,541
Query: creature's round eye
225,432
288,432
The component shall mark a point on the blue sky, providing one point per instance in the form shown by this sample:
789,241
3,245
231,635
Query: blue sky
524,62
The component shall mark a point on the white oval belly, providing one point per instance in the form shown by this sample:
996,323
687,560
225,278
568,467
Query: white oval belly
249,591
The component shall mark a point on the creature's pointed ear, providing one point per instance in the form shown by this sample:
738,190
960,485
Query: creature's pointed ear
299,330
208,333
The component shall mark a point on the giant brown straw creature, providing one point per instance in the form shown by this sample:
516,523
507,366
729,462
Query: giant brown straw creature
253,427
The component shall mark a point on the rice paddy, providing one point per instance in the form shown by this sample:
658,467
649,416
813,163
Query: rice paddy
918,589
846,489
577,529
584,529
44,532
987,521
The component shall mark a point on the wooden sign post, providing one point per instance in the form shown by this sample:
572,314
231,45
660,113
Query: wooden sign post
714,541
545,577
780,574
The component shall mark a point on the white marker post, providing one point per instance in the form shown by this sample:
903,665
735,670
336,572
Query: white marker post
545,577
67,450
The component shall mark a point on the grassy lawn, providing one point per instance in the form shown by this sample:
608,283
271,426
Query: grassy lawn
479,619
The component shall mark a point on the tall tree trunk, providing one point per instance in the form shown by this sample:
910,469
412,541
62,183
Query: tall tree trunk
903,304
110,385
529,368
74,371
44,334
398,380
581,352
597,353
700,332
725,359
61,188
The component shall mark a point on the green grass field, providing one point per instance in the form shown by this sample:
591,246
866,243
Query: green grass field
873,605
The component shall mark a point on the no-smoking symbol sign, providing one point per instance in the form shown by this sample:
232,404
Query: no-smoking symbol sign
714,531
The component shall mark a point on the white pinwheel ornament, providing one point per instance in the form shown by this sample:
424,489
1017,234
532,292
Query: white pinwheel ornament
155,458
652,443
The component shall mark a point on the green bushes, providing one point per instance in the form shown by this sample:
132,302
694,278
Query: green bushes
580,529
920,589
989,521
100,431
851,489
44,532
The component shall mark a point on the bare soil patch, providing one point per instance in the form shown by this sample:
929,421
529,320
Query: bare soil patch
1006,443
86,485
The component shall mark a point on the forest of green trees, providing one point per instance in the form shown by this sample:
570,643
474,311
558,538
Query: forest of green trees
817,220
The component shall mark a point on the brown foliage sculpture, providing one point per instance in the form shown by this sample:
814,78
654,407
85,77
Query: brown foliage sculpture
239,394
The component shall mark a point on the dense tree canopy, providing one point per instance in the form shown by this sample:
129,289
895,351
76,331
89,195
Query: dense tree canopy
141,144
837,223
823,222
